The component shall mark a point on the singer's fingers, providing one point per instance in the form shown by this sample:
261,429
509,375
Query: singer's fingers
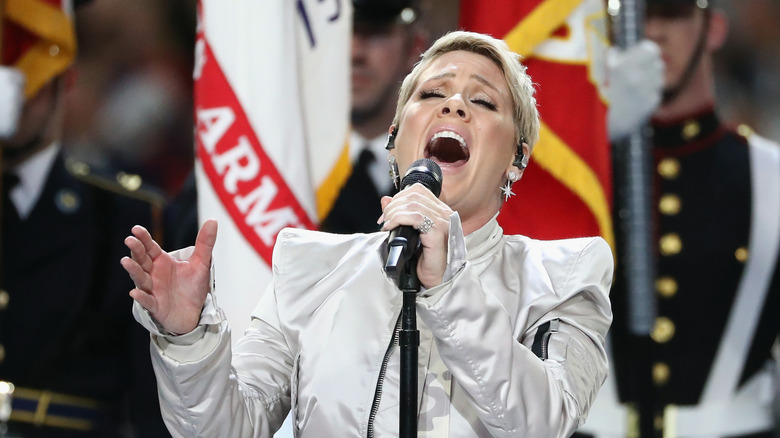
204,243
138,252
152,248
410,207
141,279
147,301
384,201
411,214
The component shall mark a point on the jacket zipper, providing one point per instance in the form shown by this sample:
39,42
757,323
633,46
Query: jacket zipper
380,381
546,337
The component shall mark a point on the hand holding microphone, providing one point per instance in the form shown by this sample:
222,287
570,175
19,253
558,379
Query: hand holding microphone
419,221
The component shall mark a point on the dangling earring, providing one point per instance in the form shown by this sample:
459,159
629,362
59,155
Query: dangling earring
394,175
391,139
511,178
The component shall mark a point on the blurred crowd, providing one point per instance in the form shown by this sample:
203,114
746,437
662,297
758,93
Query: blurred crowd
132,103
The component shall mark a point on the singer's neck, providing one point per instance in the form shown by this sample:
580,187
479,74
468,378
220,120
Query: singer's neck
474,223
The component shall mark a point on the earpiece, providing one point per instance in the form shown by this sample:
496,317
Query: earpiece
521,160
391,139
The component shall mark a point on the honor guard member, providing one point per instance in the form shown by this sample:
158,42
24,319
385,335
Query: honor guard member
72,361
716,194
387,41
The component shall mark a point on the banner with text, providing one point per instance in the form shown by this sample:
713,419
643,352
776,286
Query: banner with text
271,124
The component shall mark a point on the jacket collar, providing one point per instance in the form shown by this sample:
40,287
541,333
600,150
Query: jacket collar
483,240
688,133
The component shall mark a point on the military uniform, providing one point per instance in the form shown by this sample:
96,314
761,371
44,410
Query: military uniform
358,206
79,363
717,219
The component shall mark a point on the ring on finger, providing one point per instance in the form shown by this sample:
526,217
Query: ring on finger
426,225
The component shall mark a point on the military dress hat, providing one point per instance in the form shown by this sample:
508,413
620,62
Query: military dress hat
38,38
380,12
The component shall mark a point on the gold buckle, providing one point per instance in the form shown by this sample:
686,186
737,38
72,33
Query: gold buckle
44,400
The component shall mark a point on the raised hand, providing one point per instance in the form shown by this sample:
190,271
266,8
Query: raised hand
173,291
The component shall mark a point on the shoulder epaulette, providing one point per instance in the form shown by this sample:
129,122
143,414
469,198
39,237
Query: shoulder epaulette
745,131
121,183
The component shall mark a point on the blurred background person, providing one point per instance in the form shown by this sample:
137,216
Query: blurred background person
131,103
708,369
387,41
78,364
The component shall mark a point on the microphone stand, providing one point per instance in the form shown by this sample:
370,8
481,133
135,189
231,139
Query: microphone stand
409,341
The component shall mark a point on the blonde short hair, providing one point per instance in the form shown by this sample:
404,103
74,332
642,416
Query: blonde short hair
526,116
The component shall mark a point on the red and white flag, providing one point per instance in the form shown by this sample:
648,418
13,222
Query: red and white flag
271,126
566,190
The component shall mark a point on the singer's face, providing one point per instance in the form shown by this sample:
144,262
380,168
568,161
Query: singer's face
460,115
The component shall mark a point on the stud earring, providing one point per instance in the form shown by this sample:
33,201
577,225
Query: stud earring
391,139
506,189
394,175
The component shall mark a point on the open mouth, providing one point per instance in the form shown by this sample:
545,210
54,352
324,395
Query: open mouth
447,148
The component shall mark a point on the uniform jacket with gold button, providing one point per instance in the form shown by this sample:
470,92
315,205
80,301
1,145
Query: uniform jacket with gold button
65,326
716,192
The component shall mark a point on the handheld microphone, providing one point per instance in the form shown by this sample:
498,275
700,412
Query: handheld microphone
404,240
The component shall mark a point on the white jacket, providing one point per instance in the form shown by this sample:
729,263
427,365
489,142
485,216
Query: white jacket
320,333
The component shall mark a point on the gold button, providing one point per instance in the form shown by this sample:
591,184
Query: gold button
78,168
670,244
741,254
661,373
666,286
669,204
691,129
663,331
129,181
669,168
67,201
658,423
4,299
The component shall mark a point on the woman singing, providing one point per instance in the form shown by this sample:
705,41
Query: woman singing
511,329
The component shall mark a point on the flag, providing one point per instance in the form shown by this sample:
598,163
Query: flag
271,126
37,37
566,190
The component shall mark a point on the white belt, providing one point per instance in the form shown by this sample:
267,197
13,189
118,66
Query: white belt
749,412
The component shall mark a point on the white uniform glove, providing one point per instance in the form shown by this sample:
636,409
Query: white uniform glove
635,85
11,100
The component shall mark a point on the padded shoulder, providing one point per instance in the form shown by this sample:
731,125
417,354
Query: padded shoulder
120,183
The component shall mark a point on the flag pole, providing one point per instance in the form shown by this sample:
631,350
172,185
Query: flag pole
633,189
634,197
